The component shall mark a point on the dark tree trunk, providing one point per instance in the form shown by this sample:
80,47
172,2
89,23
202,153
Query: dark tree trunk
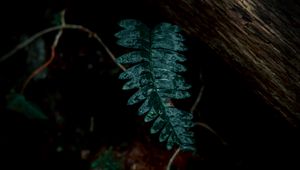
261,39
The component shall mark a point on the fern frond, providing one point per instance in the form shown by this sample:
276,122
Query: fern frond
154,71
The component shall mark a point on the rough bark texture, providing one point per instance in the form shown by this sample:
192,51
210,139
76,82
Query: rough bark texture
261,39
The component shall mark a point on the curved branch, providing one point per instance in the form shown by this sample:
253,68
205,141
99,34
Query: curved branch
42,67
60,27
172,158
198,99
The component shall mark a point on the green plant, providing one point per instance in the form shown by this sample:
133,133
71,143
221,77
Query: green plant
154,71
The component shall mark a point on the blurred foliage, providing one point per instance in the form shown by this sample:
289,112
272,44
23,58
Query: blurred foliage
18,103
107,161
36,56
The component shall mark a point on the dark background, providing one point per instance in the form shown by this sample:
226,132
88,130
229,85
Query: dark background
82,82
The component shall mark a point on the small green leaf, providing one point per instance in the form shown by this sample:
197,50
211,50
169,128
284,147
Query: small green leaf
134,43
145,107
174,94
138,96
162,72
166,27
132,24
171,141
157,125
168,44
165,133
171,84
131,84
172,66
132,57
151,115
107,160
132,71
18,103
181,122
136,82
133,34
168,55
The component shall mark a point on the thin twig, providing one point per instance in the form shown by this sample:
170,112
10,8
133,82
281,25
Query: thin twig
204,125
196,103
173,158
212,131
53,47
62,17
92,124
55,28
28,41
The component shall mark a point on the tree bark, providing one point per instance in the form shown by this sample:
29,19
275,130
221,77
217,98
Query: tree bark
261,39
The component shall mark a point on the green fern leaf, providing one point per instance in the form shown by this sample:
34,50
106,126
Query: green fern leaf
135,34
154,72
131,58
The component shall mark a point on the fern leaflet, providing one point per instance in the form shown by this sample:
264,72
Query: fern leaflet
154,71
